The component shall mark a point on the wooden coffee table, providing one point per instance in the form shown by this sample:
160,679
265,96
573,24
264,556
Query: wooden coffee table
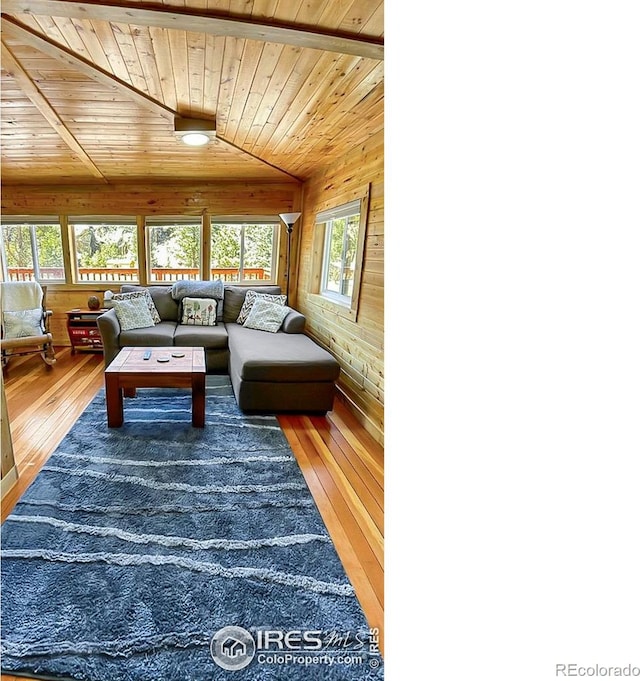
129,370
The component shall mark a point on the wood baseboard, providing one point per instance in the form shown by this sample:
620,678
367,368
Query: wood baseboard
361,417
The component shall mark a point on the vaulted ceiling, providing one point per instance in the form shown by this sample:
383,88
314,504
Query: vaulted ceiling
90,90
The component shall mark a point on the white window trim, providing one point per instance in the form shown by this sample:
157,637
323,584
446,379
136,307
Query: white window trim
327,218
341,211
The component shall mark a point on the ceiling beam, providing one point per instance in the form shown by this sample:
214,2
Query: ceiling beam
257,158
189,20
26,35
13,67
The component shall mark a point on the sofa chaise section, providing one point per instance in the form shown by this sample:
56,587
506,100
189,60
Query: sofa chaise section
280,371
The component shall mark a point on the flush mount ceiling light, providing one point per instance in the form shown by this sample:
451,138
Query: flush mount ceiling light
195,139
194,131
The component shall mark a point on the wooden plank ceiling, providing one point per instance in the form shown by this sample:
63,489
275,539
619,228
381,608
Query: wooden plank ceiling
90,90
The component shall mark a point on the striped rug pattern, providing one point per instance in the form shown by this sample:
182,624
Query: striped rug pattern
135,546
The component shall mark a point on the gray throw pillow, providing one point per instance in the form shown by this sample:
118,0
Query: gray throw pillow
250,299
133,313
146,296
234,298
266,315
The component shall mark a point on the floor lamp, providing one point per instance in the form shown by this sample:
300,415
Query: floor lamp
289,220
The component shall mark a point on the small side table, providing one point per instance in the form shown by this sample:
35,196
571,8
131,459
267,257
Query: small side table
82,327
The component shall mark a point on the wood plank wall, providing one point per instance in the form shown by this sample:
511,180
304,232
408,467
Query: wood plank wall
180,198
359,346
128,198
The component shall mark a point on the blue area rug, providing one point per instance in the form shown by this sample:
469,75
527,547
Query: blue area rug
163,552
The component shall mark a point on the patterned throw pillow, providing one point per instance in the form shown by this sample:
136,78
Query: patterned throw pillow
23,323
266,315
147,298
250,299
185,288
199,311
133,313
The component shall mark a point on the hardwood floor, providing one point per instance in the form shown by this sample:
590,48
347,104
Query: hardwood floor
342,464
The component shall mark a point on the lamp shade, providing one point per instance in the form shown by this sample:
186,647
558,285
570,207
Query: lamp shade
289,218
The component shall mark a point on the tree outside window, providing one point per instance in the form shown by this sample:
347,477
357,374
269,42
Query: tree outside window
243,251
341,245
106,250
341,240
32,250
175,248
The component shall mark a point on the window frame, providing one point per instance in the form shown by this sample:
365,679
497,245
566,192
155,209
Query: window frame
345,211
32,222
122,220
151,221
340,304
244,221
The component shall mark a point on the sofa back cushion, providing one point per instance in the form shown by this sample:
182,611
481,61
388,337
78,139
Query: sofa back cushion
167,307
234,299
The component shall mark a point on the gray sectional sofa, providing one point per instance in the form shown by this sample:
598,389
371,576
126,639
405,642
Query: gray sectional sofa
285,371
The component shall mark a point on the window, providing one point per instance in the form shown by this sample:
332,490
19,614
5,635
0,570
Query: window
106,248
339,240
243,250
340,245
32,249
174,247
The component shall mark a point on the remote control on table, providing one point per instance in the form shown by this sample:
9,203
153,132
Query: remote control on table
147,355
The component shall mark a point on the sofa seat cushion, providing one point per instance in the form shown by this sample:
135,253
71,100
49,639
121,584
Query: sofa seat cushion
215,337
279,357
154,336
